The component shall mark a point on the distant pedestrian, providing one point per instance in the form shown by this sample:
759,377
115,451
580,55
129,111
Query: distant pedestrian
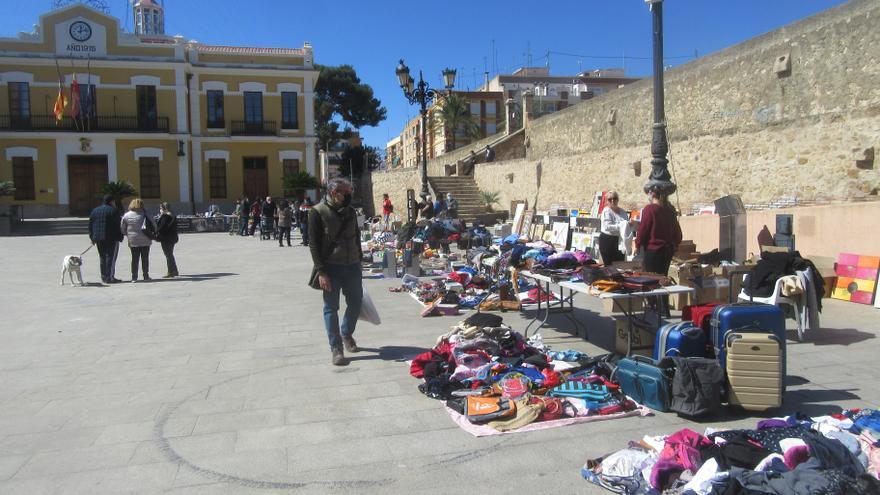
613,218
166,231
336,254
659,233
387,210
285,215
268,211
426,208
104,233
256,208
303,219
133,226
451,206
490,154
245,215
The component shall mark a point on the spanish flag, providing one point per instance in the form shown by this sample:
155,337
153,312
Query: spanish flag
60,102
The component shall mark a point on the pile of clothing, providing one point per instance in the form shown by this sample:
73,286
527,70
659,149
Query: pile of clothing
836,454
489,374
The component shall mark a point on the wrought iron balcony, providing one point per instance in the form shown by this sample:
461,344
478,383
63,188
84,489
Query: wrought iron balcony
254,128
100,123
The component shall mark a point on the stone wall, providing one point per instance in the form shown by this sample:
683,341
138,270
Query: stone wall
737,125
395,183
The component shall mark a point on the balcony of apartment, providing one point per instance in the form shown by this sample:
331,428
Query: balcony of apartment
254,128
99,123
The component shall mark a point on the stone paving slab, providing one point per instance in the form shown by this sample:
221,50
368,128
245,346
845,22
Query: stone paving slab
219,382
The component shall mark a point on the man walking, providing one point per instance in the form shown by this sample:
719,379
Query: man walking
336,253
302,218
105,234
245,214
268,212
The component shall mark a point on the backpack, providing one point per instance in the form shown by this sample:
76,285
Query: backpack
479,410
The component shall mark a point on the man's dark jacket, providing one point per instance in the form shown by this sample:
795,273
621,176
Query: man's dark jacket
104,224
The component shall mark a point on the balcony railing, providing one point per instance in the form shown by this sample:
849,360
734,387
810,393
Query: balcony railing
254,128
100,123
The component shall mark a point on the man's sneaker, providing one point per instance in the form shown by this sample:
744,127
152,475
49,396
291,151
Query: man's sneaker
337,357
350,344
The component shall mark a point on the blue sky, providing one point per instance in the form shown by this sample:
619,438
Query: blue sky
373,35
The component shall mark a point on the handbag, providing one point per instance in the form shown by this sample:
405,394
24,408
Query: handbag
149,228
314,278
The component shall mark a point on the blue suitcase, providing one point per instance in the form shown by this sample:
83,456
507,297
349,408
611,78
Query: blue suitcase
683,339
641,379
747,317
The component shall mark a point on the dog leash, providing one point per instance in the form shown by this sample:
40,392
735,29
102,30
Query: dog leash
87,250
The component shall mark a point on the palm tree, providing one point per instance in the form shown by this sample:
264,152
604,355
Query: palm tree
491,198
119,190
454,115
298,182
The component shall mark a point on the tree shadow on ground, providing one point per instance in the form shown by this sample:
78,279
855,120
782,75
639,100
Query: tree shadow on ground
387,353
199,277
838,336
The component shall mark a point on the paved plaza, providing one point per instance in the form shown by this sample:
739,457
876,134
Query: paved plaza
220,382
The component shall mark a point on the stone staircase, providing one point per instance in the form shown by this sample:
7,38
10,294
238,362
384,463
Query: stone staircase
52,226
465,191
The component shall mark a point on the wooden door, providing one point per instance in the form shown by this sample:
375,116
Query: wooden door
256,177
86,175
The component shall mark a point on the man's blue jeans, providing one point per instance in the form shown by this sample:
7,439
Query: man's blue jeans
346,278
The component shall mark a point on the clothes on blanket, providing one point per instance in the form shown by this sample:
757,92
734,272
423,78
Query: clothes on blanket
790,455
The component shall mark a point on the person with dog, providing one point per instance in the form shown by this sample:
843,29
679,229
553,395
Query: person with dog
166,233
336,253
134,226
104,233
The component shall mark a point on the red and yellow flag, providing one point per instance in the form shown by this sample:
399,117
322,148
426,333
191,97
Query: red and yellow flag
74,99
60,102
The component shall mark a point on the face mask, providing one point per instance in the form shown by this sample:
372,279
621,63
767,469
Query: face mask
346,199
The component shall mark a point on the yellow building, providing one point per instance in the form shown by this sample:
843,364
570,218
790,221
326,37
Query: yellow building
183,122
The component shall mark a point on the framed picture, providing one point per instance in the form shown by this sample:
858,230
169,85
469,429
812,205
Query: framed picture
559,236
537,231
526,224
518,216
580,241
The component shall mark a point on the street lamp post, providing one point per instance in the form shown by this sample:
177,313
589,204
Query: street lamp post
423,95
660,180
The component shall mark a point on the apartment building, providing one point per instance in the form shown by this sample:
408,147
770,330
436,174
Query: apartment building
184,122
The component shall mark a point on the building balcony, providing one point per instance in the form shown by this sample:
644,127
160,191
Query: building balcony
100,123
254,128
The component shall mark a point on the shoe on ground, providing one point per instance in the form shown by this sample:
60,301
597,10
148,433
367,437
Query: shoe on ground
147,278
115,281
167,275
134,280
337,357
350,344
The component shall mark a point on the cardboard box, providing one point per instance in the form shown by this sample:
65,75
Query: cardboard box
608,305
690,274
713,289
643,337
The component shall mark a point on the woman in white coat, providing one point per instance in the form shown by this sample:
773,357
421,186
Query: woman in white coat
134,223
613,218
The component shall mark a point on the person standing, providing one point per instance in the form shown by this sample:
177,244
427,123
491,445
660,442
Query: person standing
490,154
284,220
387,210
132,227
303,220
166,232
256,208
659,233
451,206
336,253
104,233
268,212
613,218
245,214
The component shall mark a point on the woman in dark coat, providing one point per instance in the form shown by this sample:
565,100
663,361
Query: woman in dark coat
166,231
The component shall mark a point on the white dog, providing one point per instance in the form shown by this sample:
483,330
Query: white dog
72,265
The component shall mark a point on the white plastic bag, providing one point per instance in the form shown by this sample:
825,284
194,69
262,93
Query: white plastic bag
369,312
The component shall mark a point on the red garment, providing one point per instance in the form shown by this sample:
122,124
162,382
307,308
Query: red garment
386,207
442,352
658,229
551,378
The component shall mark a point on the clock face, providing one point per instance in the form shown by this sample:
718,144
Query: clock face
80,31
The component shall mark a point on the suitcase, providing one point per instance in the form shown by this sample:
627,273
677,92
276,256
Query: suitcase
641,379
700,314
747,317
680,339
754,370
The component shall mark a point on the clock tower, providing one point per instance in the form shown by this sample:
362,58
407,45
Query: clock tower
149,18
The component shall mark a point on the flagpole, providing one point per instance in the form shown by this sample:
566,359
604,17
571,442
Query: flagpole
72,103
60,102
